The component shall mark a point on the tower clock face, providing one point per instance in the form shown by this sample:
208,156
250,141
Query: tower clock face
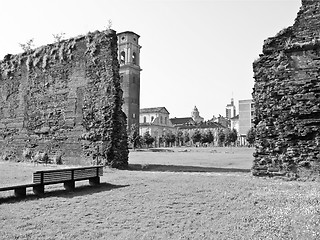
123,39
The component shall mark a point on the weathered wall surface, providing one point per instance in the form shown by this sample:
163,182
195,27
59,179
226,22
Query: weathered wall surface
287,99
65,98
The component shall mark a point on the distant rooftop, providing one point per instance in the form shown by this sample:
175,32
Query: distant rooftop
235,117
181,121
154,110
128,32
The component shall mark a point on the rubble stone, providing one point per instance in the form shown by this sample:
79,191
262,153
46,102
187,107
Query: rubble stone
65,99
287,99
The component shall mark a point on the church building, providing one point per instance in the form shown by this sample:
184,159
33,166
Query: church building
155,121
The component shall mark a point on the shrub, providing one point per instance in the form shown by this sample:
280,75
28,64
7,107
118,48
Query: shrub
57,159
27,153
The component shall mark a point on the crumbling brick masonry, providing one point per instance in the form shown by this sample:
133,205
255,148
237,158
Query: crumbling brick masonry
287,99
65,98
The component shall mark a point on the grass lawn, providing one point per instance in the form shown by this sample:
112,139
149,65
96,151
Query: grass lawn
194,159
167,203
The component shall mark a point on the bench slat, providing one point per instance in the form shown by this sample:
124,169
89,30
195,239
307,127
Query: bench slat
83,175
89,173
77,168
50,178
64,174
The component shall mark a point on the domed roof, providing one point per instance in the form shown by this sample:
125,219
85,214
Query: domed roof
195,109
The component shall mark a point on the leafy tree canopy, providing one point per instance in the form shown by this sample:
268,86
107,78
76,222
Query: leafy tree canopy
251,136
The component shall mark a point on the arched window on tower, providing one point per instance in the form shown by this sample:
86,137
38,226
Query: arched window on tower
134,58
144,119
122,57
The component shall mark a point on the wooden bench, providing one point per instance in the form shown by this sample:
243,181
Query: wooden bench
67,176
19,190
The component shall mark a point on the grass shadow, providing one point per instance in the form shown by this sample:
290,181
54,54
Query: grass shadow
153,150
178,168
61,192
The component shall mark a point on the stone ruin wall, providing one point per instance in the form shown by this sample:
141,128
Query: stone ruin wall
65,98
287,100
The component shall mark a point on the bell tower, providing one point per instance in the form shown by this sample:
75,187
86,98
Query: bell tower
129,60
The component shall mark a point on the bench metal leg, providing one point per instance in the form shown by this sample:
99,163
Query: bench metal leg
20,192
38,190
69,185
94,181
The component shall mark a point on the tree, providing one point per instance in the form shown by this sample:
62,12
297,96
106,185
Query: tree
134,137
180,138
169,137
161,140
251,136
186,137
27,46
196,137
207,137
221,137
58,37
109,24
210,137
231,136
148,139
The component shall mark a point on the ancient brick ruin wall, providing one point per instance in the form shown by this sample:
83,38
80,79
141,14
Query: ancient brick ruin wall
65,98
287,99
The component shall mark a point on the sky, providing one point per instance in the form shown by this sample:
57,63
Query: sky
194,52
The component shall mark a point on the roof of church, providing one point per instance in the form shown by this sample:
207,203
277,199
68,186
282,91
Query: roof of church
179,121
153,110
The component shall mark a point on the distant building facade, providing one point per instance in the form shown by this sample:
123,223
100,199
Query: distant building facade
155,121
234,123
225,122
129,59
230,110
194,119
246,117
188,125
